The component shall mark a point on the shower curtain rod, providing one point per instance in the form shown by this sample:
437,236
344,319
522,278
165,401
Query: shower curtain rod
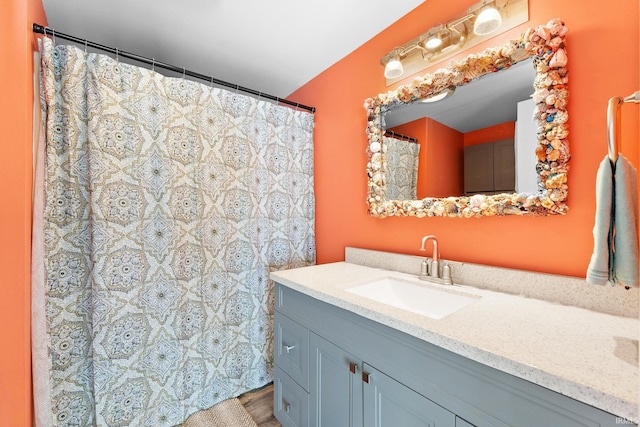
401,136
48,31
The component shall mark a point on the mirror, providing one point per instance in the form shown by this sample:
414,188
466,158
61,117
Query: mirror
495,110
541,49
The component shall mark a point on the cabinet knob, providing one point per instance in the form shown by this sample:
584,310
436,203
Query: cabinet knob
353,367
288,348
365,377
286,406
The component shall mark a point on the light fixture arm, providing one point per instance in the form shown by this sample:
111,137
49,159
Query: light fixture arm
460,20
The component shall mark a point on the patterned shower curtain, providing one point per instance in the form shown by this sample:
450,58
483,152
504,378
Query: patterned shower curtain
402,169
165,205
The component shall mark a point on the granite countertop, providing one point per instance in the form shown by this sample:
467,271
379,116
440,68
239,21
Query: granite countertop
587,355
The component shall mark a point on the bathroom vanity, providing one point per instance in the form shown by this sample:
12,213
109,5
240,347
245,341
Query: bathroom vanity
499,359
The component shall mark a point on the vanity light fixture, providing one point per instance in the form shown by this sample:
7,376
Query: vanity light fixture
479,22
438,39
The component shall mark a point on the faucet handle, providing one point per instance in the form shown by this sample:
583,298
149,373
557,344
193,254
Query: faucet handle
446,274
424,268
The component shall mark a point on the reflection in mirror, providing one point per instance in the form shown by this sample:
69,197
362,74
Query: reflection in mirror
545,46
402,167
495,110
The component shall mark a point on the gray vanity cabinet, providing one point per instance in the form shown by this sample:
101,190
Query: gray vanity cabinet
334,368
317,383
343,390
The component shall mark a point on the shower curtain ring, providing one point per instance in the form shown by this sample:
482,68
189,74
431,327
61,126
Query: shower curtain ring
183,73
153,64
85,45
53,36
117,56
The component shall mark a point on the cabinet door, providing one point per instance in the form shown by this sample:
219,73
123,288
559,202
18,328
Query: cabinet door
388,403
478,169
335,385
504,166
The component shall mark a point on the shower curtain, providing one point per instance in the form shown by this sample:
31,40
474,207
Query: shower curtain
402,169
161,208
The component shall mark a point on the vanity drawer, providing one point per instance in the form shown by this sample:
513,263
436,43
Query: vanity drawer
290,401
291,349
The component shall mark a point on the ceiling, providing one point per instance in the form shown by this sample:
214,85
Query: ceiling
274,47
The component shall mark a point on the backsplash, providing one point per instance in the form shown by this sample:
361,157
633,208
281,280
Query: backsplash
565,290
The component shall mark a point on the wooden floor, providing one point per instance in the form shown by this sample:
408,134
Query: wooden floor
259,404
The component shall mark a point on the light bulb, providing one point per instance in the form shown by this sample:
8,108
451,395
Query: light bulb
434,43
393,69
487,21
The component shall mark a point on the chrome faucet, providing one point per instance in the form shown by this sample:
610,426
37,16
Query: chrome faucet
432,272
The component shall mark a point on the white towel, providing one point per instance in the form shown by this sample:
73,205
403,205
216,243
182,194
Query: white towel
625,243
598,270
615,233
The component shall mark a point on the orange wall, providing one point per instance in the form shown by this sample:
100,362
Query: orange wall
442,159
602,45
16,85
505,130
445,160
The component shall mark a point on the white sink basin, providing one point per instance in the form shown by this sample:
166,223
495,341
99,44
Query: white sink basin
413,297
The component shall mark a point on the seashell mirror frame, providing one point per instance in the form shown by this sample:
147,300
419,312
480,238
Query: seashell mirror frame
546,45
